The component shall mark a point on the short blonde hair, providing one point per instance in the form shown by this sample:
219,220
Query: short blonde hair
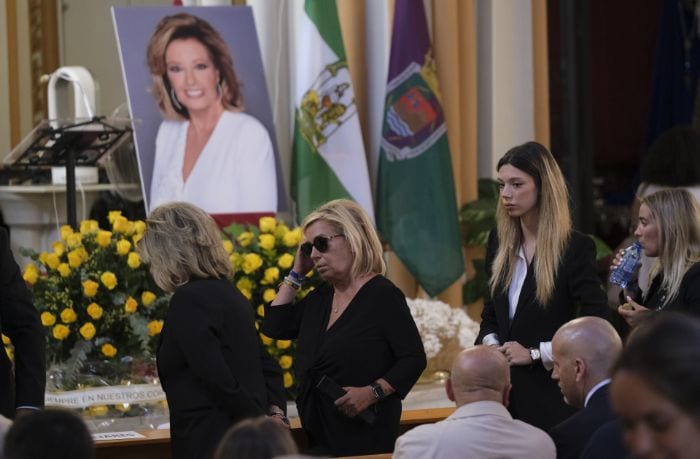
183,26
182,241
350,220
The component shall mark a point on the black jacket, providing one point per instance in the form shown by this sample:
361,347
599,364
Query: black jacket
535,398
212,365
19,320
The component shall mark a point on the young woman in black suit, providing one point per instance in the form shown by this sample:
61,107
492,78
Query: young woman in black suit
542,274
211,362
669,228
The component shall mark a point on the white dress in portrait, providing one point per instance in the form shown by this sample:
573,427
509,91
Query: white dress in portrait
235,172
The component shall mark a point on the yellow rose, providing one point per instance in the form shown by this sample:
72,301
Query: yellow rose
130,305
10,354
134,260
139,227
285,261
123,247
247,293
68,316
74,240
122,407
271,276
109,280
283,343
286,362
31,274
261,310
5,340
83,253
244,239
75,259
257,326
90,288
154,327
109,350
65,231
267,224
113,214
288,379
58,248
64,270
281,231
94,310
251,262
269,295
88,226
88,331
266,241
136,238
292,238
103,238
60,332
122,225
228,246
236,260
47,319
147,298
42,257
52,261
98,410
265,339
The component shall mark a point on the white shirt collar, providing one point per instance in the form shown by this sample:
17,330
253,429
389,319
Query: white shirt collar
594,389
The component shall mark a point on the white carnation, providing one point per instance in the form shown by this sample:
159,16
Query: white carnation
438,322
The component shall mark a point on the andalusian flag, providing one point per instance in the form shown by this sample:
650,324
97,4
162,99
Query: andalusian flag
416,205
329,157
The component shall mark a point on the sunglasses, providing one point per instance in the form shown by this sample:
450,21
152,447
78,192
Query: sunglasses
320,243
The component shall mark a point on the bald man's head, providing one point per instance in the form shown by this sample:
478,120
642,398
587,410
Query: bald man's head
583,353
479,373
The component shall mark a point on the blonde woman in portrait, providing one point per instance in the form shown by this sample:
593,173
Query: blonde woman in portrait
542,275
208,152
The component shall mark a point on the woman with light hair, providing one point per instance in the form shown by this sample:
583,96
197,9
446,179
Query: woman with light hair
669,228
208,152
358,349
542,274
211,362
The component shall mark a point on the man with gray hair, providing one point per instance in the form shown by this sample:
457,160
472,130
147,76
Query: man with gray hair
481,426
583,353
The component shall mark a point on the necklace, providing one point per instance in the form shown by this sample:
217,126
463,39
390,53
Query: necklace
687,36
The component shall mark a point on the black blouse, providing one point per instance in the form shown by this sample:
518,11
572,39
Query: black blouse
374,338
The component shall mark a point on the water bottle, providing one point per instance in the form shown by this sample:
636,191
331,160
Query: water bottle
625,270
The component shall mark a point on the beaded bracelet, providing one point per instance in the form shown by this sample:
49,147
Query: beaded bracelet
295,276
288,281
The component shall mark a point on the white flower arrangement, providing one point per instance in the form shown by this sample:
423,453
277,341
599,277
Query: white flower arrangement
438,323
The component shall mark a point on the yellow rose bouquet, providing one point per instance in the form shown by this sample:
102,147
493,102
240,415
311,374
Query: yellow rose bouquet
96,300
261,256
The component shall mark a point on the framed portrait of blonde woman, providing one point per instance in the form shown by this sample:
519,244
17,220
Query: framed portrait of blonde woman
197,94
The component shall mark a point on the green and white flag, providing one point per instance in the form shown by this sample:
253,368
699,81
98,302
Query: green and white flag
328,160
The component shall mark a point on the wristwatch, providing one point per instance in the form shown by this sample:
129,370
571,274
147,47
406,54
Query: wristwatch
377,391
535,354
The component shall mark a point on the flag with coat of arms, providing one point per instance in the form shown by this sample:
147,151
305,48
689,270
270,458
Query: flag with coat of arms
328,160
416,203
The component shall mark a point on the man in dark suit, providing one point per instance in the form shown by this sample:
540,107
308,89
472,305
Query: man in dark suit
583,352
23,388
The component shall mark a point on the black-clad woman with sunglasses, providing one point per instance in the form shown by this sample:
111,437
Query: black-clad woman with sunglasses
358,349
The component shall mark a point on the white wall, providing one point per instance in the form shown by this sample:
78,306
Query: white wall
505,79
